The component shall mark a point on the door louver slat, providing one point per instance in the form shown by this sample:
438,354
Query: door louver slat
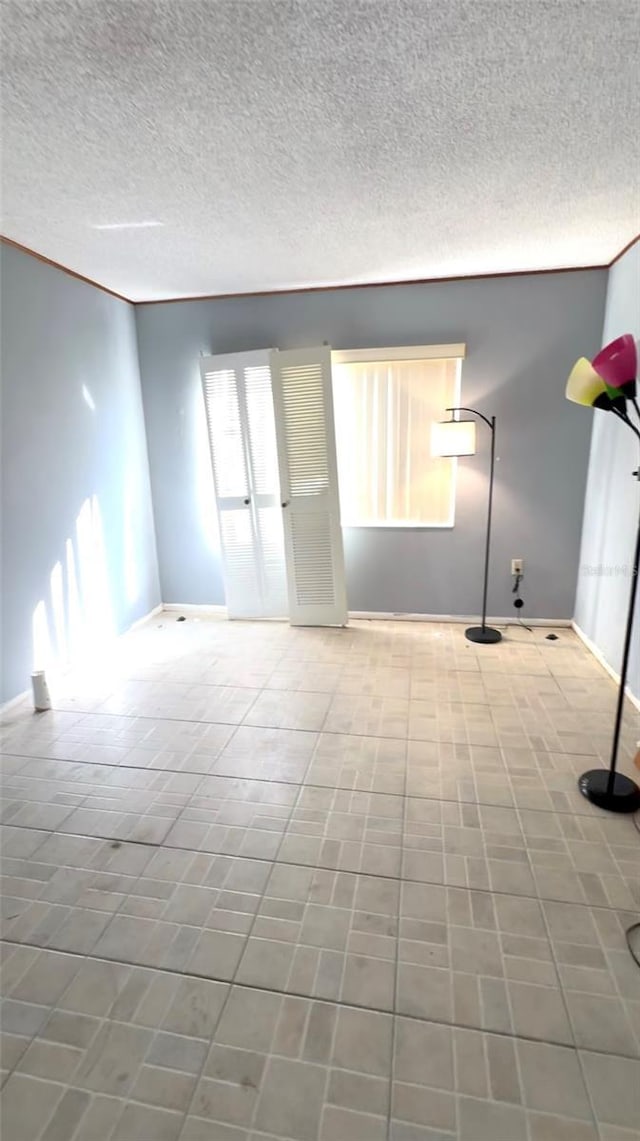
242,441
309,483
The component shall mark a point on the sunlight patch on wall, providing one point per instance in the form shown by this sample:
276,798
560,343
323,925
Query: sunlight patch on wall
43,655
88,398
92,567
132,582
56,587
75,628
74,622
205,499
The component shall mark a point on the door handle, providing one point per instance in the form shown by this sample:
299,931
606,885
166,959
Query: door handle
286,502
247,502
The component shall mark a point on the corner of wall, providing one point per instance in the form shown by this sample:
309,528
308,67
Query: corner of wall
612,499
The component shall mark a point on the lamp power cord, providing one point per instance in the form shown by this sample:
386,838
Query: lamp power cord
518,601
635,955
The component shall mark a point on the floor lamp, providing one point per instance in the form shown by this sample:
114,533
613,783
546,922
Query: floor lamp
458,438
609,383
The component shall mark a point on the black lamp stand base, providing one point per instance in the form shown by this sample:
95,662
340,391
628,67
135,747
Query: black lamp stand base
624,796
483,634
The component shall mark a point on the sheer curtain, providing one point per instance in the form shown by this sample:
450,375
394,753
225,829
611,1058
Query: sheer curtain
383,415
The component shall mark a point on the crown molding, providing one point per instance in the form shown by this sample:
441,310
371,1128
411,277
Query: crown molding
316,288
373,284
624,250
63,268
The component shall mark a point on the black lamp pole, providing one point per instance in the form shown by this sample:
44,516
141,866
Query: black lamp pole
483,633
610,789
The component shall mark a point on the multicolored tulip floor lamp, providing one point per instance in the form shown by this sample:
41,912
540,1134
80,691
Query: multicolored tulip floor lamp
608,382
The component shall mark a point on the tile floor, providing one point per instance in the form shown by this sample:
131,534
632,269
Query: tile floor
266,883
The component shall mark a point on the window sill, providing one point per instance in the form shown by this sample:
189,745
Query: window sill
397,526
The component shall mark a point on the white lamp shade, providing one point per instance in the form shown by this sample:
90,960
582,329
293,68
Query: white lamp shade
453,438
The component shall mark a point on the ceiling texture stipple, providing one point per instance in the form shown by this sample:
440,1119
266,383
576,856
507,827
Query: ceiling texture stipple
296,143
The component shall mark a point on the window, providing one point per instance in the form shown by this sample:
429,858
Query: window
385,401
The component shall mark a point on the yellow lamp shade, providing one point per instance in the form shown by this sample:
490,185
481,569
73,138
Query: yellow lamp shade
585,386
453,438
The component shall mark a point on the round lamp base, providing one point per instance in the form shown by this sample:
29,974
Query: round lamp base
486,635
623,797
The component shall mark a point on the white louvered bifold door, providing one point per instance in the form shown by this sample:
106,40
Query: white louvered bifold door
240,422
262,454
302,396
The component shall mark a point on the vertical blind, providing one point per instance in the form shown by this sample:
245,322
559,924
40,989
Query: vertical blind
383,416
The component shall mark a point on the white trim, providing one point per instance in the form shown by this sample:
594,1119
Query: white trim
405,524
600,658
402,353
196,608
68,668
145,618
202,610
7,706
465,619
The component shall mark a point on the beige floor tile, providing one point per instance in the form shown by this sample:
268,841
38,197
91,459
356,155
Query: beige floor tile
320,885
367,764
614,1087
369,716
27,1106
286,710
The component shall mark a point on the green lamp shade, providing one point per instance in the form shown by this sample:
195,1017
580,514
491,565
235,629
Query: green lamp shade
586,387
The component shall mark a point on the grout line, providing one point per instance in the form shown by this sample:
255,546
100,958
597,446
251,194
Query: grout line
273,862
396,974
565,989
506,772
490,703
299,995
8,750
517,810
579,1050
210,1040
556,969
330,1065
319,867
235,725
517,1061
508,715
232,981
107,1019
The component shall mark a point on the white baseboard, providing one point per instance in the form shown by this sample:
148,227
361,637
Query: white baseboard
599,656
209,610
145,618
201,610
7,706
464,619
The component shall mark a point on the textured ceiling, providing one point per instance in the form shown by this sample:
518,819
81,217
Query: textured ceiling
309,142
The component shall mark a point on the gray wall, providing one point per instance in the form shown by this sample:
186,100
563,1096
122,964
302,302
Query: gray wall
58,454
522,336
613,498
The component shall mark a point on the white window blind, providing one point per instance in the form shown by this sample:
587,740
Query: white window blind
383,416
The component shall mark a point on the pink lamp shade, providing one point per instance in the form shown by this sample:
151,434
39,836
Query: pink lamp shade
617,364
